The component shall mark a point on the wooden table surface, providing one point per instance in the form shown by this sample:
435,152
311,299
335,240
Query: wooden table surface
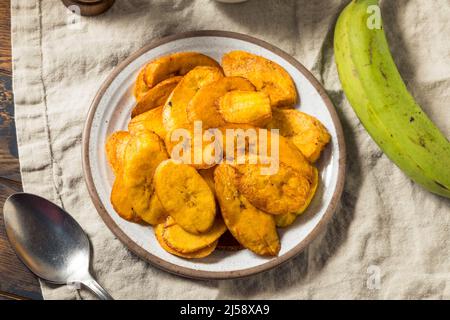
16,282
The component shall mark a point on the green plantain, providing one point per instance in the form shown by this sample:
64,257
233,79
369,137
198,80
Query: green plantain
379,96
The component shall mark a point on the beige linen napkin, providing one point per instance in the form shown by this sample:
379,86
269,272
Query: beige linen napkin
388,239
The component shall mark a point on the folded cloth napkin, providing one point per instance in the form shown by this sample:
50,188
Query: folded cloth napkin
388,239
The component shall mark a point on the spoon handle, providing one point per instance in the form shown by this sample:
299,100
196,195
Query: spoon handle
90,283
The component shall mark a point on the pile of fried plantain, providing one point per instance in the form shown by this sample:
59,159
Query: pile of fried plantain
196,208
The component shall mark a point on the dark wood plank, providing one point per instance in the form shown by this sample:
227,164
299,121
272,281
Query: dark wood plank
16,281
9,167
5,38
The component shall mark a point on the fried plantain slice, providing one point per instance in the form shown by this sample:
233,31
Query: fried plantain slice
237,136
115,149
140,87
266,76
202,155
312,191
246,107
253,228
185,196
307,133
265,142
285,220
176,64
124,201
202,253
243,140
291,156
133,195
204,105
150,120
156,213
284,191
208,176
156,96
174,112
182,241
121,201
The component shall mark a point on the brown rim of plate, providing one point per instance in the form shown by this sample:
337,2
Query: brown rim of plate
199,274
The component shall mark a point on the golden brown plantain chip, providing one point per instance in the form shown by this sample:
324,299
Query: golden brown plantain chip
285,220
133,192
121,201
156,96
185,196
150,120
237,136
140,87
115,149
291,156
246,107
253,228
176,64
285,191
204,105
124,201
202,253
156,213
208,176
182,241
174,113
263,142
266,76
306,132
200,155
312,191
144,152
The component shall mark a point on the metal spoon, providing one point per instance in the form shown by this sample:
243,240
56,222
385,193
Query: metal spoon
49,242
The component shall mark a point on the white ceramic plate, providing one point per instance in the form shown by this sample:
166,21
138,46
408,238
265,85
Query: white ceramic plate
111,110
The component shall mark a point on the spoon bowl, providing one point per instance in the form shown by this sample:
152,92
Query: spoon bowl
49,241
